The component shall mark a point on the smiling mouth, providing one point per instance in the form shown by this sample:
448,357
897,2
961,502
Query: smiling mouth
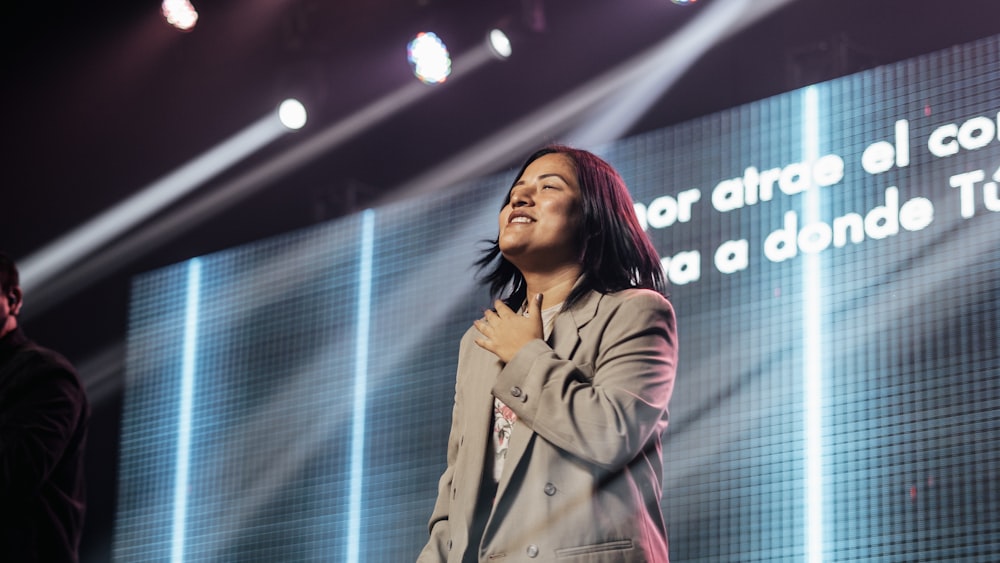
521,220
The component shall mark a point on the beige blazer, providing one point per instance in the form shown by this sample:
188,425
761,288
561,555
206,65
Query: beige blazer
583,475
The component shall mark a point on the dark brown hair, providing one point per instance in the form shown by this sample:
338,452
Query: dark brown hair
617,254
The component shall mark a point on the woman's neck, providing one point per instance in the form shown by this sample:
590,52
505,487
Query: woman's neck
555,286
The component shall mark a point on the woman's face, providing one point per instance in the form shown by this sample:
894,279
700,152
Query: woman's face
540,225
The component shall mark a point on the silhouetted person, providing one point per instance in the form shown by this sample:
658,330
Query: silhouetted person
43,427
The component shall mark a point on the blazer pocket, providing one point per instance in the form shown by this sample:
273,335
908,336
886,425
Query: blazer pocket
616,545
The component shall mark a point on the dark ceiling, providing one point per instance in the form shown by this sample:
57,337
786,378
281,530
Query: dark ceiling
103,98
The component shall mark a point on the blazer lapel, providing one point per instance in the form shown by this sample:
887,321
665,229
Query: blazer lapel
565,335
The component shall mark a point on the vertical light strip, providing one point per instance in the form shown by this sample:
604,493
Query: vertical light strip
360,385
812,345
184,418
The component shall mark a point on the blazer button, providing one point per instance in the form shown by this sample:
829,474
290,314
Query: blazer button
532,550
515,392
549,489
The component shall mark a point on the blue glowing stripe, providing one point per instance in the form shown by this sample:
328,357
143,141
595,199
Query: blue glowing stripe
184,419
812,346
360,381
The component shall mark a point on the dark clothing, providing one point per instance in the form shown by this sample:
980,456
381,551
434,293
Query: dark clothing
43,426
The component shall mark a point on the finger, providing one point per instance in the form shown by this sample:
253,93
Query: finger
488,315
535,307
502,307
481,325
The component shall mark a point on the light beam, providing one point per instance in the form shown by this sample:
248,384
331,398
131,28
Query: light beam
52,260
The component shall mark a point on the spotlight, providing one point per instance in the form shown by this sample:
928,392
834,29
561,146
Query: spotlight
499,43
429,58
179,13
683,2
292,114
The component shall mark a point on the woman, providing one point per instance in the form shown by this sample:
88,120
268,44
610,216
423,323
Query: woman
562,389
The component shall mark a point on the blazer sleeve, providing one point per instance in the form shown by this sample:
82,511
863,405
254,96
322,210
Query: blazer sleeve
438,544
603,412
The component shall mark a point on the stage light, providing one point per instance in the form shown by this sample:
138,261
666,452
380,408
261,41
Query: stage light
429,58
683,2
292,114
499,43
179,13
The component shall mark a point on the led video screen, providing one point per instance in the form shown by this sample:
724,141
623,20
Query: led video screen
833,260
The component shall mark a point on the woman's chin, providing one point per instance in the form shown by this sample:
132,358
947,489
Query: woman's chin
512,251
